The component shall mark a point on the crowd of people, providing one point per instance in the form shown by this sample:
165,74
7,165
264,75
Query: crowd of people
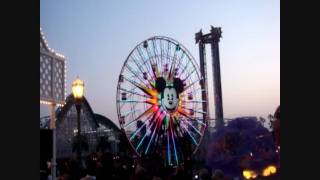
105,166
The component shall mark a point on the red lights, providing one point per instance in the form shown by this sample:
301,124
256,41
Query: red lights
155,108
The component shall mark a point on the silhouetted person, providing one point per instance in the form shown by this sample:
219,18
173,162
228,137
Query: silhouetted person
140,173
217,175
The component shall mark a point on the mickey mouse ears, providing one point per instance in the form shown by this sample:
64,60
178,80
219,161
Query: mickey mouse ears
161,84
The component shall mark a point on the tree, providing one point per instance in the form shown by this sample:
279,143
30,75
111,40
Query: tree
243,143
276,126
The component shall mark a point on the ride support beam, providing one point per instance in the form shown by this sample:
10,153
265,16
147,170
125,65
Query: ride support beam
213,39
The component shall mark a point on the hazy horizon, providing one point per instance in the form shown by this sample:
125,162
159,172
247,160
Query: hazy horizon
97,36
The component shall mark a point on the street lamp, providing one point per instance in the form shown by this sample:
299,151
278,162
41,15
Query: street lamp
77,89
77,92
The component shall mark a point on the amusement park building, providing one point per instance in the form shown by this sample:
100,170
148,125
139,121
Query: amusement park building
94,127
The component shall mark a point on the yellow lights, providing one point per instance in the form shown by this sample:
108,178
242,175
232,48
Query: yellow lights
153,101
45,102
269,170
77,88
58,55
249,174
49,103
47,46
60,105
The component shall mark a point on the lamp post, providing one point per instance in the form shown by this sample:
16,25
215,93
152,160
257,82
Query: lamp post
77,91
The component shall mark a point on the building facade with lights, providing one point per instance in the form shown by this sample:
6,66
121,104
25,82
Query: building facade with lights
52,74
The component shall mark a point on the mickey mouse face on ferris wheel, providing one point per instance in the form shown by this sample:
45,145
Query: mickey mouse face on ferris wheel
169,93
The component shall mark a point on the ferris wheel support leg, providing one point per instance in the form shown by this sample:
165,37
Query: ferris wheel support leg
215,38
53,127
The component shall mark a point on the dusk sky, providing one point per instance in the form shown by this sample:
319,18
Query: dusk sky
96,37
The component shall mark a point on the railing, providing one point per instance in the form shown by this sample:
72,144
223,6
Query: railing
212,123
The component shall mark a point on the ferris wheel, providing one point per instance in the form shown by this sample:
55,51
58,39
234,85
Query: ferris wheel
159,100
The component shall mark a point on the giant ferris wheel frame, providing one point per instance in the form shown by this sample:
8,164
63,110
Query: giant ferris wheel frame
159,102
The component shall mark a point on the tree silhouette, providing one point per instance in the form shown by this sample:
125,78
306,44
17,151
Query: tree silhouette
243,143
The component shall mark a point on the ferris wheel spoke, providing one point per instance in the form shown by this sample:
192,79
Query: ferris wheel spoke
165,53
194,141
197,119
161,54
144,60
151,72
142,88
168,147
191,84
197,111
154,66
198,89
142,70
200,112
180,60
194,101
129,96
144,124
129,112
145,135
135,74
135,93
158,122
134,59
137,131
150,56
186,114
155,53
189,74
145,113
135,120
195,129
155,70
185,67
131,101
175,52
168,50
141,54
174,143
173,66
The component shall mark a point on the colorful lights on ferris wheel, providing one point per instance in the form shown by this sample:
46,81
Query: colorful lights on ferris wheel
151,91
